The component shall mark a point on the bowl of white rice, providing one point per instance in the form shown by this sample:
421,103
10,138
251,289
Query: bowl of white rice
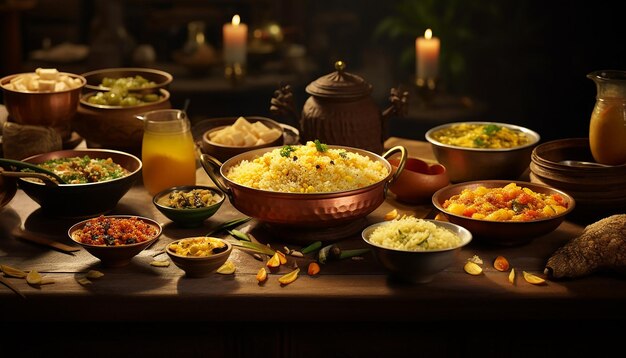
306,186
415,250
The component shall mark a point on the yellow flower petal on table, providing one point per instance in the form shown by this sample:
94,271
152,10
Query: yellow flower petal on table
533,279
290,277
33,277
472,268
227,268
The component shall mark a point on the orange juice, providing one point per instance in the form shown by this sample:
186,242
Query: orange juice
168,152
607,132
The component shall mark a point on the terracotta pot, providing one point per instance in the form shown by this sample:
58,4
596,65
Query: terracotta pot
418,181
340,111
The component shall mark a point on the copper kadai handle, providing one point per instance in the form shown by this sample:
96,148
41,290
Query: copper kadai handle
212,167
403,157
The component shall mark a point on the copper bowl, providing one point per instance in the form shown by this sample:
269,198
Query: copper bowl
307,210
114,126
505,233
161,79
49,109
82,200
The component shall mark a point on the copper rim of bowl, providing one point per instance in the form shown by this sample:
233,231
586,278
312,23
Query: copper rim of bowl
465,236
164,96
229,247
273,124
259,152
149,221
128,72
159,195
534,137
6,79
69,153
438,200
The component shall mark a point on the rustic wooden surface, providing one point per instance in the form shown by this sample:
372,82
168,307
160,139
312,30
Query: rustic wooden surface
345,291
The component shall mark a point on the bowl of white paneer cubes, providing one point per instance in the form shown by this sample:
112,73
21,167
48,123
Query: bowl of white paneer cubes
235,135
45,97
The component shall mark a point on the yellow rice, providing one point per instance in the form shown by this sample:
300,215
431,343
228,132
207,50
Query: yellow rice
412,234
308,170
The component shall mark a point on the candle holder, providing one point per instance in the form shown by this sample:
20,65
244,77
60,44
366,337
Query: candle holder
426,89
234,72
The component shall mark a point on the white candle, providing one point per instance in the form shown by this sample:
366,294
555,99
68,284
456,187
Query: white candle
235,40
427,54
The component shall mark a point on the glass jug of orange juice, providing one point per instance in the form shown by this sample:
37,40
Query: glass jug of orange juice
607,128
167,151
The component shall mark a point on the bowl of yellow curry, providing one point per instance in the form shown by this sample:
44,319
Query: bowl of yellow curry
482,150
199,256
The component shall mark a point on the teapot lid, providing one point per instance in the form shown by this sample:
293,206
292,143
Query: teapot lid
339,84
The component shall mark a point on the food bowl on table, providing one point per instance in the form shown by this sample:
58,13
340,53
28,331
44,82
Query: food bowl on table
115,239
100,80
189,205
218,130
82,199
419,180
521,218
105,126
433,246
480,150
199,256
316,208
567,164
42,106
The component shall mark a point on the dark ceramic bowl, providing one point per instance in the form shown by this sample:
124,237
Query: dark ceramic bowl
82,200
187,217
116,256
466,164
417,266
199,266
506,233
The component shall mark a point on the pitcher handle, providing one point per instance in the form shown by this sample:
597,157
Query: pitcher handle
212,168
403,157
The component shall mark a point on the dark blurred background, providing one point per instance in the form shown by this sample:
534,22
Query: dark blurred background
521,62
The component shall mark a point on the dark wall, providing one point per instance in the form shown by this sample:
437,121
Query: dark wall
526,60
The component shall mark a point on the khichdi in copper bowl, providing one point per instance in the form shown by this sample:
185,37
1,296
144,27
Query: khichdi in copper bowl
305,210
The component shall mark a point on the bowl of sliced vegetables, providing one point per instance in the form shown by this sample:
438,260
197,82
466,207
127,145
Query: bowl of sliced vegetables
94,181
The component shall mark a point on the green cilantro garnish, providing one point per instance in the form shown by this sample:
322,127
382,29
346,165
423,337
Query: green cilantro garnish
479,142
320,146
286,151
344,155
491,129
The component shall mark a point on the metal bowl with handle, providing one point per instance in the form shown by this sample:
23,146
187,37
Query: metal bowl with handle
308,210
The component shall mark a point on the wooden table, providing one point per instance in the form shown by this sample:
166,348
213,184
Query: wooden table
351,304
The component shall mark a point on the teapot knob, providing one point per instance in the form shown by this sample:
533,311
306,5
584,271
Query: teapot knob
340,66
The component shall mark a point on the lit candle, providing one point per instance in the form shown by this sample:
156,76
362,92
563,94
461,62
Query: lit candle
235,38
427,54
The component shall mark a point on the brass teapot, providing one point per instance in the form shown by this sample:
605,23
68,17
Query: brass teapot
340,111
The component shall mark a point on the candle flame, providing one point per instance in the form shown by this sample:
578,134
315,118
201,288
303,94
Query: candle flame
428,34
236,20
